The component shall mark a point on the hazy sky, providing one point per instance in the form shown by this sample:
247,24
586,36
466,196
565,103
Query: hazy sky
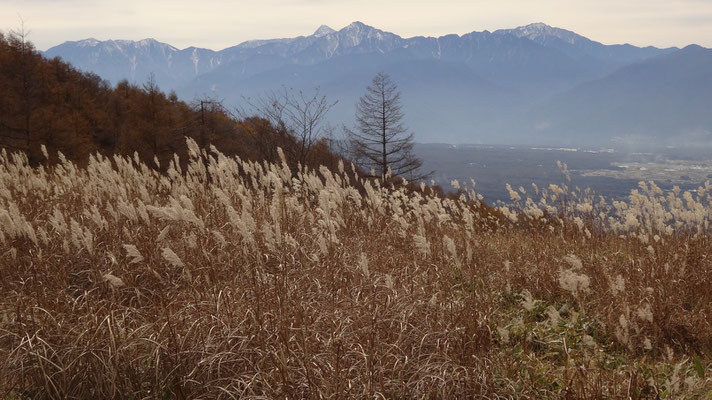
217,24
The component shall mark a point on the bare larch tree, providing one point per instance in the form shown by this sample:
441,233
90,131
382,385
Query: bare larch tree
295,113
380,142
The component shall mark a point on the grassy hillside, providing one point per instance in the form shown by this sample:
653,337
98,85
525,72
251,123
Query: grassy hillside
267,281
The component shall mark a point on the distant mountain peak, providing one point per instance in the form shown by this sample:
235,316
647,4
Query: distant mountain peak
91,42
138,44
540,30
694,47
148,43
323,31
537,25
358,26
358,31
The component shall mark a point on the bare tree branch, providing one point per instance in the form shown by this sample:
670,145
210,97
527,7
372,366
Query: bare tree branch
296,114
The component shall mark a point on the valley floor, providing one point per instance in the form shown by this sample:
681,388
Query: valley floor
611,173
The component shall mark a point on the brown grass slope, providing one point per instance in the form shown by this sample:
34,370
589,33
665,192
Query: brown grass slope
271,282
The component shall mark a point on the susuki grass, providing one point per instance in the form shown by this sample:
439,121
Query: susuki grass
234,279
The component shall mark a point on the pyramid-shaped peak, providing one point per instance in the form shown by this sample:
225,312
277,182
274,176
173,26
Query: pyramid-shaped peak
323,31
357,25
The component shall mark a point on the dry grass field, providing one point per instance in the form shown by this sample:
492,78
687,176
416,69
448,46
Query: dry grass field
232,279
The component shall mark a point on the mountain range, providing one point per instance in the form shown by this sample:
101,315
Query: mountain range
534,84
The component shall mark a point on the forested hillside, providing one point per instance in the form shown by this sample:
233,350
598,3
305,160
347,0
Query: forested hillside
48,102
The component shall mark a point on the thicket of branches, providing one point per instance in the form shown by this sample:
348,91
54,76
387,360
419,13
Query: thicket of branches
296,113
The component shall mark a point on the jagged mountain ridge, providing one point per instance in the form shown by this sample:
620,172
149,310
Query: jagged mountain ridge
605,58
115,60
135,60
487,53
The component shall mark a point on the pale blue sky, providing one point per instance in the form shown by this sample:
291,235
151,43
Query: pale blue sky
217,24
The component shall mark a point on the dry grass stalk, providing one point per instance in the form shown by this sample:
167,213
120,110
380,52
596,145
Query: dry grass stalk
270,283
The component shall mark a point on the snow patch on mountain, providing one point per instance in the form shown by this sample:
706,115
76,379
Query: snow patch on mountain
91,42
541,30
